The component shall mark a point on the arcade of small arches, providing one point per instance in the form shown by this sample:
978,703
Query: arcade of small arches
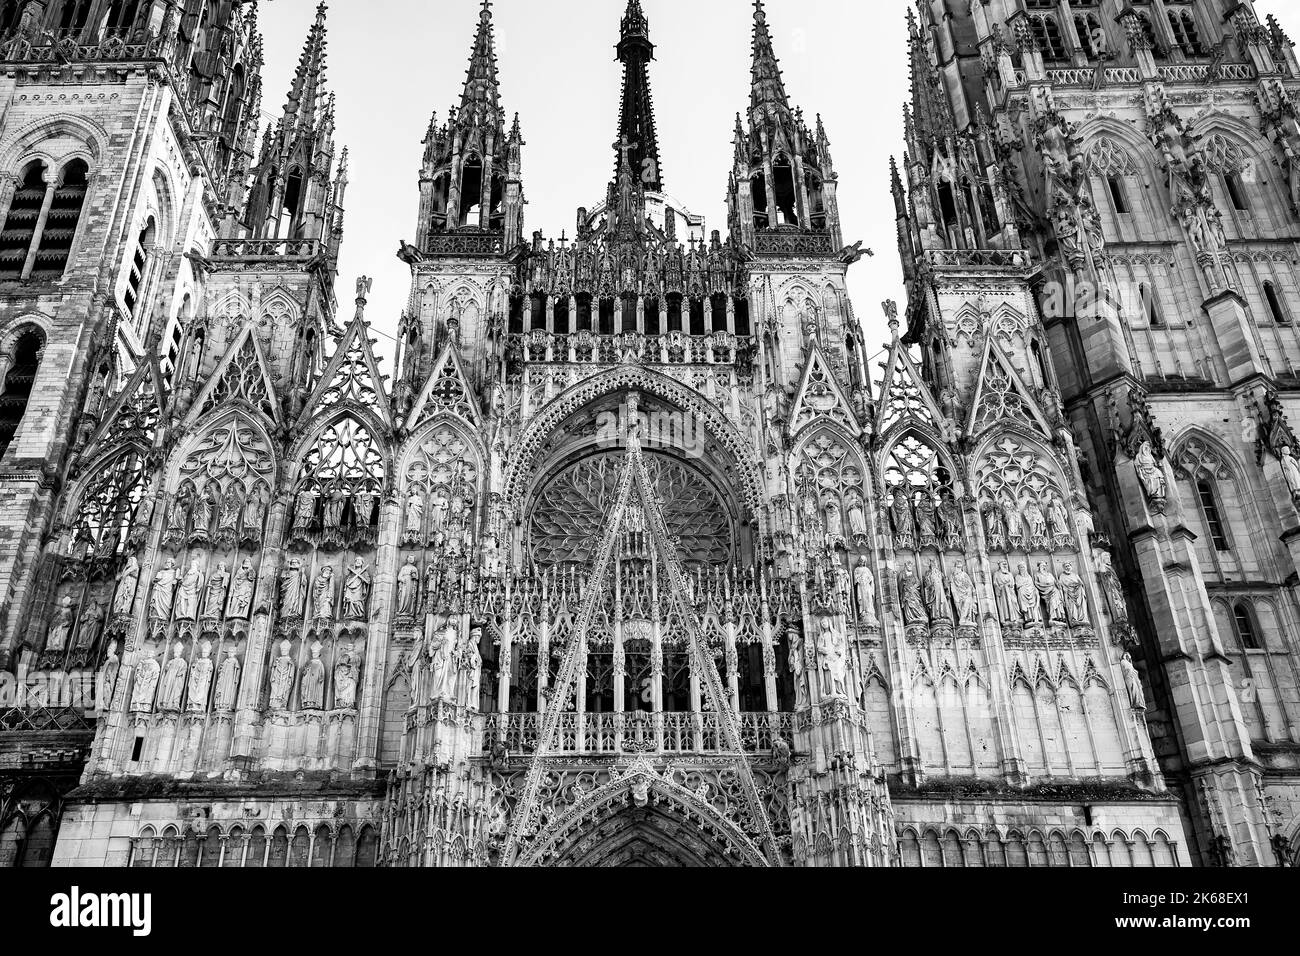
952,847
243,846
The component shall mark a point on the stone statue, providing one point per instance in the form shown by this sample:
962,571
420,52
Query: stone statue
1011,520
414,515
293,589
241,593
92,620
857,518
935,592
909,592
1072,593
176,520
491,557
228,682
171,688
164,592
797,666
1035,523
1050,593
345,680
356,591
1150,473
253,515
334,505
1058,519
1030,601
900,514
949,521
218,587
1290,470
834,519
127,582
304,509
202,516
146,682
201,678
964,598
864,584
438,511
231,508
408,588
1137,698
925,524
363,509
471,665
323,595
187,595
995,528
442,662
56,640
830,661
1004,595
108,678
312,688
282,677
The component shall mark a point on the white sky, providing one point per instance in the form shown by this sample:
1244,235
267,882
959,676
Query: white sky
393,62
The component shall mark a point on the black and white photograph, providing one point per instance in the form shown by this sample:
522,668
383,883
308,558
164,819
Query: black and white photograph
749,434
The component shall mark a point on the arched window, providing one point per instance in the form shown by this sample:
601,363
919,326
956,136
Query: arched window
1275,306
650,316
120,21
17,385
60,227
20,227
1048,34
233,113
783,180
758,189
1149,31
471,191
741,307
1208,496
139,268
1247,632
719,303
560,316
73,17
1091,35
697,317
538,311
1186,37
1236,190
441,194
1150,307
1118,194
290,221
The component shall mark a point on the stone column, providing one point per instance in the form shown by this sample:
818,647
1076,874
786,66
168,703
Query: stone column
371,700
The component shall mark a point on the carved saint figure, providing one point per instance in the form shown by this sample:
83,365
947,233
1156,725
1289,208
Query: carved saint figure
303,510
363,509
345,680
797,666
491,557
909,592
471,666
293,589
1290,470
146,682
253,515
864,584
231,507
408,588
127,582
414,515
925,520
1035,523
935,591
1050,593
830,661
1031,602
949,521
201,678
56,641
356,590
228,682
218,587
834,519
312,688
963,597
442,662
164,592
900,514
1058,518
187,595
241,593
92,620
202,516
1137,697
1072,593
1011,520
171,688
438,511
108,677
282,677
334,505
323,595
857,518
1004,594
995,527
176,520
1150,473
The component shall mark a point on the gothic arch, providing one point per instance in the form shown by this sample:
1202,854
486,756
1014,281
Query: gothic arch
411,447
904,447
206,427
1139,148
522,470
314,430
24,145
278,307
642,790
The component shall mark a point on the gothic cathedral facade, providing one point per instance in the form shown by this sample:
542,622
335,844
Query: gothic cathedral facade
634,561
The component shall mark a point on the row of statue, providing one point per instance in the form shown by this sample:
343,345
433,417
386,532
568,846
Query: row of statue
190,595
919,522
340,517
321,603
1030,524
441,517
239,519
1022,599
447,664
311,684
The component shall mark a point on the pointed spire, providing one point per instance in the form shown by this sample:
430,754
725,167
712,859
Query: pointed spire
636,117
768,88
309,78
482,85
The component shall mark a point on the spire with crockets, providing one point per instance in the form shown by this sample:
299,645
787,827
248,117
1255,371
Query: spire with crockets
636,118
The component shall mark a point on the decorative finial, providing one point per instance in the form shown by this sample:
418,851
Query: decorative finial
891,313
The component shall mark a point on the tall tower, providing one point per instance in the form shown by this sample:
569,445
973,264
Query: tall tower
1130,174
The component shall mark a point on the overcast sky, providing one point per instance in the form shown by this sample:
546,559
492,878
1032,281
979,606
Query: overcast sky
393,62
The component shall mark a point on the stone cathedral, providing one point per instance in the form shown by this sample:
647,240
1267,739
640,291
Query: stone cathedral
644,556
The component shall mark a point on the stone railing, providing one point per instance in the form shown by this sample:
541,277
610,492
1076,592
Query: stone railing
636,732
674,348
794,243
266,249
14,47
959,259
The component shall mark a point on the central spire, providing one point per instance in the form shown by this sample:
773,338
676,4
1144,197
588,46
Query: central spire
768,88
482,88
638,143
